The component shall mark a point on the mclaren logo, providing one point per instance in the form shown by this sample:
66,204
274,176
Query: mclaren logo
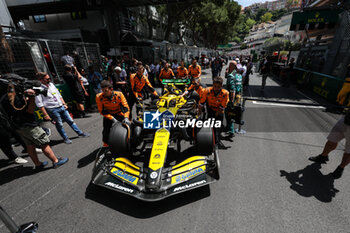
116,186
189,186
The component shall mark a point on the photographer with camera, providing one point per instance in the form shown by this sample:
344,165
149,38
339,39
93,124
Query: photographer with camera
20,110
54,108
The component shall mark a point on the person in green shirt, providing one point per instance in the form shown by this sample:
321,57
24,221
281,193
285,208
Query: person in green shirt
234,86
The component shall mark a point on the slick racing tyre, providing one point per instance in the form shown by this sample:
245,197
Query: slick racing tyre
205,141
119,143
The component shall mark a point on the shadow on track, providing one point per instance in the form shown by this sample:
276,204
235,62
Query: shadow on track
83,162
56,142
13,173
310,182
139,209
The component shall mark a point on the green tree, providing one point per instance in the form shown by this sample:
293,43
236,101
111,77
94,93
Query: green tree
260,13
291,4
266,17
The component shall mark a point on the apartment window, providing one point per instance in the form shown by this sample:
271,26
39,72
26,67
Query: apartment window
39,18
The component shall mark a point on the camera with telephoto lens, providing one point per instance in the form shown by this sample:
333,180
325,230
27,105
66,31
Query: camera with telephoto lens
20,85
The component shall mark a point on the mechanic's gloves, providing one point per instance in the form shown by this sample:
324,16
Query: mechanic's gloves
126,121
139,99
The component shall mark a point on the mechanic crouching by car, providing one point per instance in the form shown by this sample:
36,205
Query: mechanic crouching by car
20,110
216,99
113,106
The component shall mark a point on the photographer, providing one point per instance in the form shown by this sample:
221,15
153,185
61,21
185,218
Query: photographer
55,108
20,110
5,135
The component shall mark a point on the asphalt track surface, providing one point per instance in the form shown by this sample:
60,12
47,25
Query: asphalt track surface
267,183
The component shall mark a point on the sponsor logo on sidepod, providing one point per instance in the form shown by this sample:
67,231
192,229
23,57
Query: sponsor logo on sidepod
188,174
116,186
189,185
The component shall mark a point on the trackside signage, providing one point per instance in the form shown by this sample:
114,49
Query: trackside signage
166,119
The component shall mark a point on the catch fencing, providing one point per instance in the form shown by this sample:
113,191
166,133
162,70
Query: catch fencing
26,56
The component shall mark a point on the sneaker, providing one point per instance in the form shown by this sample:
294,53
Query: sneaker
67,141
60,162
41,166
319,159
230,134
84,135
20,160
338,172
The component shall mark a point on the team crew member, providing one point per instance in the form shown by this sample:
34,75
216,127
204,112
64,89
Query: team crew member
196,86
234,86
194,70
182,72
166,72
216,99
113,106
138,84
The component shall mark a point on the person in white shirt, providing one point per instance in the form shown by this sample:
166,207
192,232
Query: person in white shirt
54,108
174,67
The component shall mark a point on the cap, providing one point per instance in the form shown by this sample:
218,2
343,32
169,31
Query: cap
118,68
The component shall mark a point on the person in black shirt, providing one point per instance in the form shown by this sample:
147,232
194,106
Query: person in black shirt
73,79
20,111
5,135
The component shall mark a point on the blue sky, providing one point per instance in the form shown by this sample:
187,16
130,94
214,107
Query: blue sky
245,3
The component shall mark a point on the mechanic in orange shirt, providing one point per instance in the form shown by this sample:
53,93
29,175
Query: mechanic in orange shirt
113,106
182,71
194,70
140,83
196,86
166,73
216,99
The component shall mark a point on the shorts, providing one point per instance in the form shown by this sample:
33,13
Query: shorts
33,136
339,132
79,97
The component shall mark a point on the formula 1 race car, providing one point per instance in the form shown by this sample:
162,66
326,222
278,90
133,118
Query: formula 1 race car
147,142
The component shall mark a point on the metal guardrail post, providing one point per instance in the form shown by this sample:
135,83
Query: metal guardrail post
31,227
8,221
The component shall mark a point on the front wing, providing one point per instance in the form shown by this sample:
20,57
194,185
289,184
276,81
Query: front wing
123,176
